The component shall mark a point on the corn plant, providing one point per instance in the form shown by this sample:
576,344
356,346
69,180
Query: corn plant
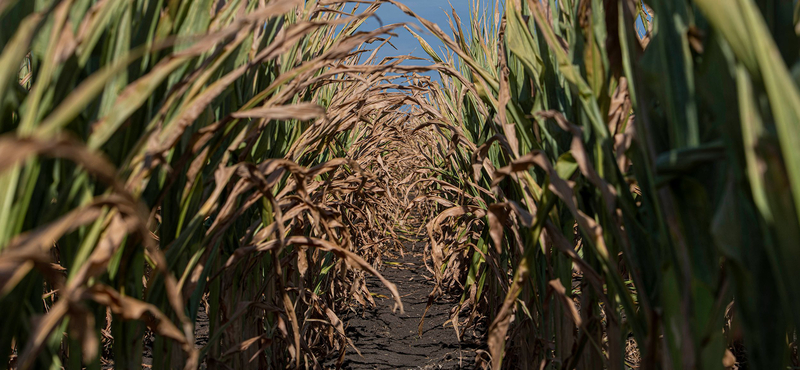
164,160
641,193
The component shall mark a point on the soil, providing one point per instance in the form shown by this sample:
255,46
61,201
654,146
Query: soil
391,340
200,339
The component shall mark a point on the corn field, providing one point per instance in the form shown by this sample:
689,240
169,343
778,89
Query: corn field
605,184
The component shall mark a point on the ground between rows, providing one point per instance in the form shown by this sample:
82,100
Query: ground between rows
390,340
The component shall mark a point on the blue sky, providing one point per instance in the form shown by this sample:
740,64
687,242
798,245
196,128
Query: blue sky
432,10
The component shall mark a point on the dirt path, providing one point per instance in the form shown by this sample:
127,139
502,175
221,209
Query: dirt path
391,340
